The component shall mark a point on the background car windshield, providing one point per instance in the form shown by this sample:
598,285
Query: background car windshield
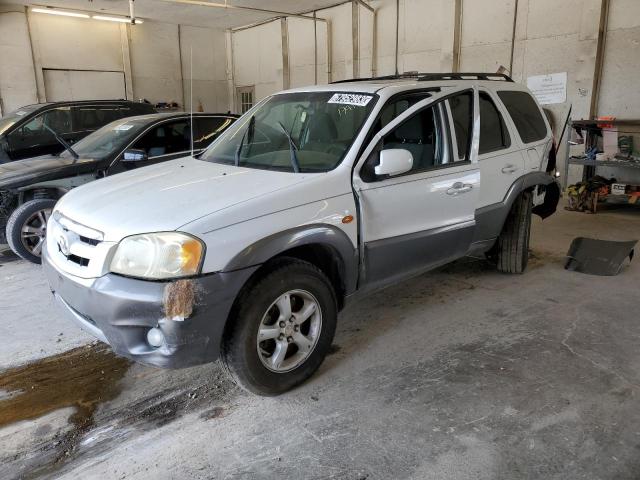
105,141
12,118
321,126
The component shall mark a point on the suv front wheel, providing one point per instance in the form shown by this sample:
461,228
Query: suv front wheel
283,328
512,247
27,228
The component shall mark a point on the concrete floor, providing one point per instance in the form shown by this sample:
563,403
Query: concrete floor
463,373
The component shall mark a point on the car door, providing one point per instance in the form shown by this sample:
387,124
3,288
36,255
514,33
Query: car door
162,142
499,153
424,217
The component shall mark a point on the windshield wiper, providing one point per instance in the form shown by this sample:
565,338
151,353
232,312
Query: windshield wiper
62,142
292,150
252,122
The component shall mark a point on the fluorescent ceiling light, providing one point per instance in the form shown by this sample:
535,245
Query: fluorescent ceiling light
64,13
116,19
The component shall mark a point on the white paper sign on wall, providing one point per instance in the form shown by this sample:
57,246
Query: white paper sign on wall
550,88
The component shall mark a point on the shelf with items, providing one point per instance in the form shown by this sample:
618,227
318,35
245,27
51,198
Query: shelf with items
611,167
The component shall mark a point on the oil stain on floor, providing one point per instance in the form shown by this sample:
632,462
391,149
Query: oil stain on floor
111,400
80,378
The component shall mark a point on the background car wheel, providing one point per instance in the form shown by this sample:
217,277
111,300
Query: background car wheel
513,242
283,328
27,228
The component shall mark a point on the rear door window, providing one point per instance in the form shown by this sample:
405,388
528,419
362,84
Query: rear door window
525,115
92,117
166,138
207,129
493,131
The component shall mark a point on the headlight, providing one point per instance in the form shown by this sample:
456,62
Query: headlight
158,256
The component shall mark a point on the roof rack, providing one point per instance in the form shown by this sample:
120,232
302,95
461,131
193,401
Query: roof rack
501,77
427,77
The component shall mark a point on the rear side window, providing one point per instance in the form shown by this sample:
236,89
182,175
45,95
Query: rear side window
93,117
206,130
462,113
493,132
167,138
525,115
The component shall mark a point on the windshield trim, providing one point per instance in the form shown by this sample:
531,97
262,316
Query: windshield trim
249,113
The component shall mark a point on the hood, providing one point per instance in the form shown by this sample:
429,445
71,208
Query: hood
39,169
168,195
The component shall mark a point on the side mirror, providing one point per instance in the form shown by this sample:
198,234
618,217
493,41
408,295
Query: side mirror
134,156
394,161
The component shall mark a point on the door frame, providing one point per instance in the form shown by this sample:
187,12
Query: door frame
359,183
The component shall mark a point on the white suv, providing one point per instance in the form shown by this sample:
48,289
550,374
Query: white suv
248,251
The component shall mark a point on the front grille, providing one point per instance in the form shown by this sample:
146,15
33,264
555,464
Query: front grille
90,241
77,244
83,262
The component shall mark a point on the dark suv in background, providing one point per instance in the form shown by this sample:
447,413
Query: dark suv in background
24,133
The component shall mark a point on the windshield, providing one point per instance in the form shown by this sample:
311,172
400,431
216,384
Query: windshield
12,118
108,139
306,132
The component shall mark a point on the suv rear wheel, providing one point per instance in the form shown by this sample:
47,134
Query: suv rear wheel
283,328
512,247
27,228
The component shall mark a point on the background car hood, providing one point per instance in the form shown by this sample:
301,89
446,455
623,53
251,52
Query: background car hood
39,169
166,196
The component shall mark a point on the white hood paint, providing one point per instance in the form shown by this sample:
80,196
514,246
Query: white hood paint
169,195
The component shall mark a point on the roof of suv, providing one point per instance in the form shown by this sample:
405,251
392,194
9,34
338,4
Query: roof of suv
414,80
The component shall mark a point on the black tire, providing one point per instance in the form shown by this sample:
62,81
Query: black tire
513,243
239,349
17,220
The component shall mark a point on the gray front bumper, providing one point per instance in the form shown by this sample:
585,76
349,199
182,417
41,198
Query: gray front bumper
120,311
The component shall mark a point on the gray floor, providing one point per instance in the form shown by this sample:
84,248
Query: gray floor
463,373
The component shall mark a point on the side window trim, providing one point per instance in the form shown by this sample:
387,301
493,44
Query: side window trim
438,106
372,141
475,115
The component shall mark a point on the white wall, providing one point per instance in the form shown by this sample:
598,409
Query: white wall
153,57
17,75
619,93
257,58
155,62
209,68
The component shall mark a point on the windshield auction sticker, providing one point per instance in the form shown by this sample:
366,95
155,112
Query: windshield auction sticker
350,99
123,127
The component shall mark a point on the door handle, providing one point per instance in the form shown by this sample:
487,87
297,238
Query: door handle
509,169
458,188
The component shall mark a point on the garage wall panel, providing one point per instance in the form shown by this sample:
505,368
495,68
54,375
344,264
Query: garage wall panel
62,85
257,58
209,68
341,40
17,75
76,44
155,63
365,42
619,95
301,52
485,40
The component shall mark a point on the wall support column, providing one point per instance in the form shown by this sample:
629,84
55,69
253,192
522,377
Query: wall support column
125,43
597,73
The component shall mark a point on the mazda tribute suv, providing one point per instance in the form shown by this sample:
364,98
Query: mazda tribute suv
314,196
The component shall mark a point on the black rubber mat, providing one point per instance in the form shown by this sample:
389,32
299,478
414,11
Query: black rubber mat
598,257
